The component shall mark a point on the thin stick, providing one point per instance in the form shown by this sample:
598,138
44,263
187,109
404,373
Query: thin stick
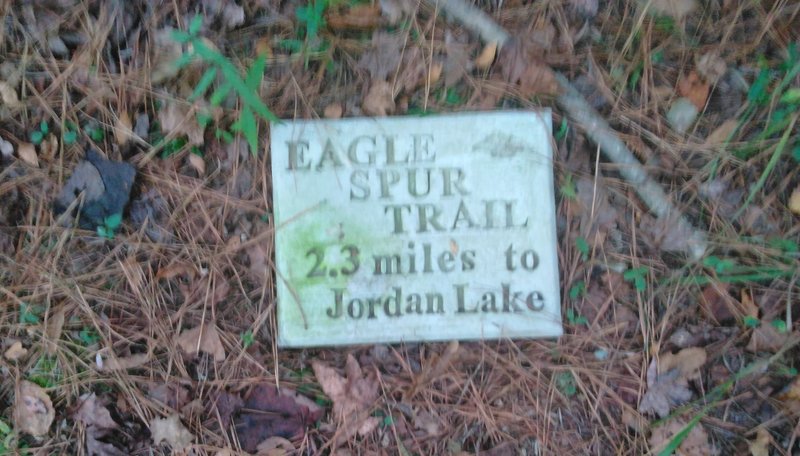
596,128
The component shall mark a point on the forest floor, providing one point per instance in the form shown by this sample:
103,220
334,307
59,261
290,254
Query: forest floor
148,326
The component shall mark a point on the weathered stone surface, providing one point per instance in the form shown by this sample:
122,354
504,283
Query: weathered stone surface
415,229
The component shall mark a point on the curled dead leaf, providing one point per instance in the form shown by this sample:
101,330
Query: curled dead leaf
197,163
668,380
333,111
760,446
203,338
379,100
15,351
694,89
55,324
352,395
794,201
123,129
711,66
33,409
9,96
113,363
359,17
486,57
27,153
172,431
766,337
721,133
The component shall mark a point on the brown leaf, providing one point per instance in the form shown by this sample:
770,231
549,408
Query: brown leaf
92,412
113,363
123,129
711,67
268,412
15,351
52,333
721,133
203,338
794,201
27,153
760,446
333,111
717,302
352,395
766,337
522,64
359,17
33,409
667,380
486,57
9,96
275,446
695,444
693,88
175,117
197,163
379,100
172,431
173,396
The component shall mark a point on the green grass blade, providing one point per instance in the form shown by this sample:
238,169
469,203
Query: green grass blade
256,73
773,161
248,126
681,436
219,94
205,82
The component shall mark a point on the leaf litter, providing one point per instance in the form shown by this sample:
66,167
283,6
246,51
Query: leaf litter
668,379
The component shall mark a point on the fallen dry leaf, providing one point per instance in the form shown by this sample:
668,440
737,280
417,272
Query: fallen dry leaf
794,201
275,446
379,100
123,129
760,446
172,431
203,338
766,337
27,153
125,362
92,412
197,163
721,133
668,380
486,57
9,96
333,111
717,303
15,351
694,89
55,324
175,117
267,412
711,67
695,444
359,17
173,396
352,396
33,409
522,64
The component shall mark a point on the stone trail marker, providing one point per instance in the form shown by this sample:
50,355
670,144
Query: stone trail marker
411,229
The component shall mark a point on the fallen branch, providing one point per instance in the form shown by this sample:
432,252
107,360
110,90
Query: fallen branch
596,128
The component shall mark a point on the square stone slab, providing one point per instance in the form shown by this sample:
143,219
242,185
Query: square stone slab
407,229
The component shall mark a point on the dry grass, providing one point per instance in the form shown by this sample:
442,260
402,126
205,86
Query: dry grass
127,300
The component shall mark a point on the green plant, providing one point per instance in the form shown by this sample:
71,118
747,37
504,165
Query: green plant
109,226
88,336
751,321
37,136
568,188
565,382
562,130
583,246
577,290
312,19
70,134
719,265
638,276
246,88
576,319
29,315
46,372
247,338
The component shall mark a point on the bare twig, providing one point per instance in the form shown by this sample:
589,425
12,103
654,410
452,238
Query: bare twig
596,128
